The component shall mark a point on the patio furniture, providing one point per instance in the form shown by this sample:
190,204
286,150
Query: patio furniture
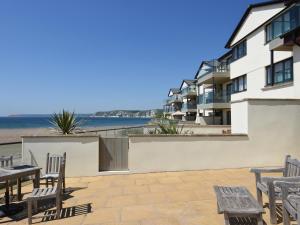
52,170
290,171
17,172
6,161
47,193
237,202
290,202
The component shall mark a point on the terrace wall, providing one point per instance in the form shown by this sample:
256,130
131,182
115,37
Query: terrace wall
273,132
82,152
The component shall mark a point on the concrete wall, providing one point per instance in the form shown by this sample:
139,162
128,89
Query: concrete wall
82,152
271,135
197,129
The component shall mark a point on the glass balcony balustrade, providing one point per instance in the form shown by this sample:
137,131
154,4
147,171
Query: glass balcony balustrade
191,90
189,105
215,66
209,98
175,98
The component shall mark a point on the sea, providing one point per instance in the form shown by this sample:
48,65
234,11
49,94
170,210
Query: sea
22,122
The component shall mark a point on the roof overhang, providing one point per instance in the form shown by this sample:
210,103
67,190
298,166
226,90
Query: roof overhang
248,10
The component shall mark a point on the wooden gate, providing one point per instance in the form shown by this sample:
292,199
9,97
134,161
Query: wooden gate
113,153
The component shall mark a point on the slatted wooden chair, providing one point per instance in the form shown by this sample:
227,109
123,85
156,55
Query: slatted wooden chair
53,163
290,172
47,193
7,161
290,202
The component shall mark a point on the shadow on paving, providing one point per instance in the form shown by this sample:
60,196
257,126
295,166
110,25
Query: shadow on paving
68,212
18,210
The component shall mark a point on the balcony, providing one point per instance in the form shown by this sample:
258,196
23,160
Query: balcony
189,91
175,99
214,101
189,107
215,72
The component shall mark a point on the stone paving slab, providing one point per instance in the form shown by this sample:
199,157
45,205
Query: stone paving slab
170,198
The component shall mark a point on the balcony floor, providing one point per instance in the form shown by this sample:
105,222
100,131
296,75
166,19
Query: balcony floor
184,198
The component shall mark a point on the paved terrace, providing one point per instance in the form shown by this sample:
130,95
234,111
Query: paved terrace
185,198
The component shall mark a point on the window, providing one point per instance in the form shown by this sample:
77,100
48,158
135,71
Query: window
283,23
239,84
283,72
239,51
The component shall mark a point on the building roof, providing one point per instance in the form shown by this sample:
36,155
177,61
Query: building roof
188,82
175,90
248,10
210,63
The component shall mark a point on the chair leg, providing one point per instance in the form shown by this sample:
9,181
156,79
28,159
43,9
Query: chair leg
47,182
259,196
285,216
58,207
29,206
52,182
35,206
64,185
272,207
298,213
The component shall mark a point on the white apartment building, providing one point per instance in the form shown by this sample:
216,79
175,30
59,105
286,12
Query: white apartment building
214,92
265,58
189,97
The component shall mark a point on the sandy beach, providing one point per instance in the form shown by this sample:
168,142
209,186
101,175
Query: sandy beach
14,135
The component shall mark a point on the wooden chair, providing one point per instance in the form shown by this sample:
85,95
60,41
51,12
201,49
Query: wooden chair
7,161
47,193
290,172
290,202
53,163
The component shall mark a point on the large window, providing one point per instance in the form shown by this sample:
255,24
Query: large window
283,72
239,84
283,23
239,51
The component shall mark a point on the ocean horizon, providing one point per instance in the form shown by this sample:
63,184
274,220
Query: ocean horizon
23,122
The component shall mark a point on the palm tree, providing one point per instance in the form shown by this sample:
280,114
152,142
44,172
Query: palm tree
65,122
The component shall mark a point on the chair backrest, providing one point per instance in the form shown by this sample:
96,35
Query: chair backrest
53,163
60,177
292,167
6,161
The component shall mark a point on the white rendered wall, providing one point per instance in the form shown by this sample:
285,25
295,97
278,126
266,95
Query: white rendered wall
82,153
253,64
239,118
271,136
256,18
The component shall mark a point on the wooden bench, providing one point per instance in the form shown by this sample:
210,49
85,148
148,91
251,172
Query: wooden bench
237,202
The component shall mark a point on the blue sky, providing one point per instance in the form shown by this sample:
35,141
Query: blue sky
94,55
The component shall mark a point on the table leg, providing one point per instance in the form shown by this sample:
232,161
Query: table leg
260,220
226,219
19,193
37,179
7,193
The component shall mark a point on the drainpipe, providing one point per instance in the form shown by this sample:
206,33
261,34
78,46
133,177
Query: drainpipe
272,67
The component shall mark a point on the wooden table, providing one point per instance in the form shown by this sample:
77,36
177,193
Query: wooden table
18,172
237,202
